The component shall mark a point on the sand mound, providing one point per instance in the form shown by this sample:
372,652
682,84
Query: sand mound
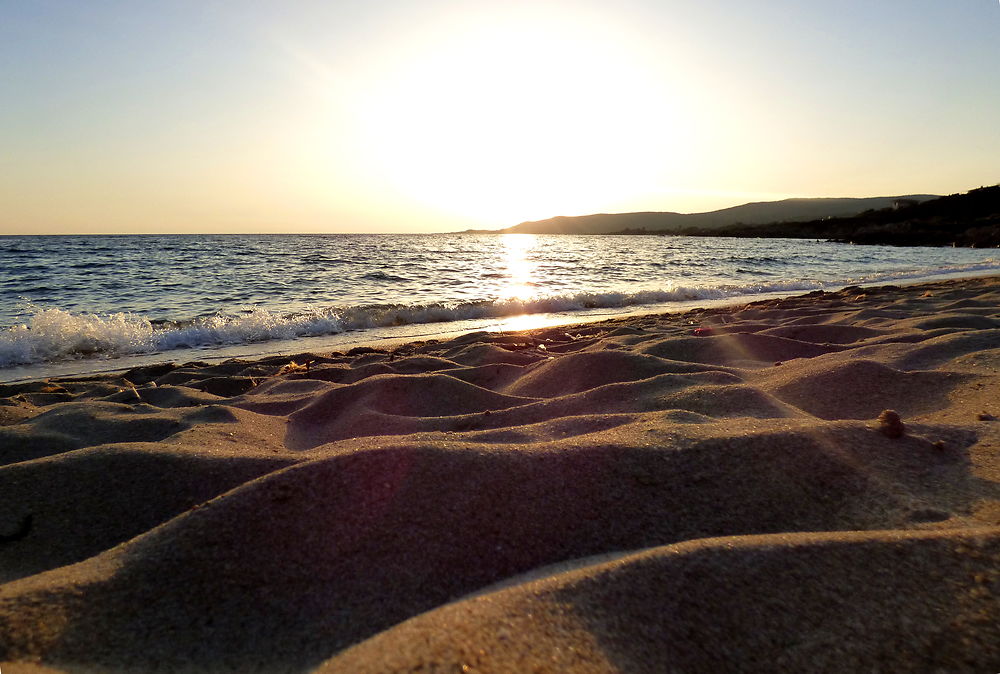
958,321
370,407
494,377
96,498
72,426
489,354
268,560
838,388
791,602
338,511
584,371
941,349
736,348
824,334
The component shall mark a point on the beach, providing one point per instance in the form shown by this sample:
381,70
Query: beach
808,483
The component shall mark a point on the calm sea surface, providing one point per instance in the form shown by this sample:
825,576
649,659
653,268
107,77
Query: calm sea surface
74,304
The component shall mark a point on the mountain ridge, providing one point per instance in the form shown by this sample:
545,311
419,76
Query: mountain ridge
795,209
967,219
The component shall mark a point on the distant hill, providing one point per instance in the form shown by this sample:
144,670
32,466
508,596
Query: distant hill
763,212
971,219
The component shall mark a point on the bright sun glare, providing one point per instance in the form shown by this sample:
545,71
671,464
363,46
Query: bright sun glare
522,271
520,266
512,117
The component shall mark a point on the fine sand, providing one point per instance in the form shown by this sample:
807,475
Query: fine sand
699,492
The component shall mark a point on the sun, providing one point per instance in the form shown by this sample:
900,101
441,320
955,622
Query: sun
511,117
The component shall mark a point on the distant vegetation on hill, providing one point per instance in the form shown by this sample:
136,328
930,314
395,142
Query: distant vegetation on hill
786,210
971,219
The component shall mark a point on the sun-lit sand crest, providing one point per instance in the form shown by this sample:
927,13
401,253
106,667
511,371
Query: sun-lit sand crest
797,484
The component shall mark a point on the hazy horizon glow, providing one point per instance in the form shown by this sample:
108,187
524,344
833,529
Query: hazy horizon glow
407,116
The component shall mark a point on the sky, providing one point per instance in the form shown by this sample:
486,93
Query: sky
435,115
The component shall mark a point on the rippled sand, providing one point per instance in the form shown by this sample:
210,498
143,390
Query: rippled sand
707,491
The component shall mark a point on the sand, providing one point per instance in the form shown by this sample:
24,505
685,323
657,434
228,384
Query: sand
706,491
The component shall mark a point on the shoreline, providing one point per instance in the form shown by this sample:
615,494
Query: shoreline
396,335
706,490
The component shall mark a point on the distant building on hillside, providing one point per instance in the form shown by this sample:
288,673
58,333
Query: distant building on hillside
903,203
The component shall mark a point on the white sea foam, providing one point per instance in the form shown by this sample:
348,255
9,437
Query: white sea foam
54,334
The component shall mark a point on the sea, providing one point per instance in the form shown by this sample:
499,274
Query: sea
78,305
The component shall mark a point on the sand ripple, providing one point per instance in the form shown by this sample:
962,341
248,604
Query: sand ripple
706,491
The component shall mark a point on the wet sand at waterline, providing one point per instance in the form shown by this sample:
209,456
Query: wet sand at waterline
705,491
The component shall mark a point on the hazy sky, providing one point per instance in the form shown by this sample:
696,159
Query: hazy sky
433,115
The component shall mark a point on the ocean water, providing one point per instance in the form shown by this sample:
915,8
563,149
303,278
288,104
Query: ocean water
79,304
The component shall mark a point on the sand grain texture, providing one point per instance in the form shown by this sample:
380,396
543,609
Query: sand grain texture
706,491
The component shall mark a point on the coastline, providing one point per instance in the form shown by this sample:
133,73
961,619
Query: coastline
708,489
402,328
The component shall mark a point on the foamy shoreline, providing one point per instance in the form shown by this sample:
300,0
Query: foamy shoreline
57,344
707,490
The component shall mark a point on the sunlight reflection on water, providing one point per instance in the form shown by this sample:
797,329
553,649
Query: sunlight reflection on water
521,266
